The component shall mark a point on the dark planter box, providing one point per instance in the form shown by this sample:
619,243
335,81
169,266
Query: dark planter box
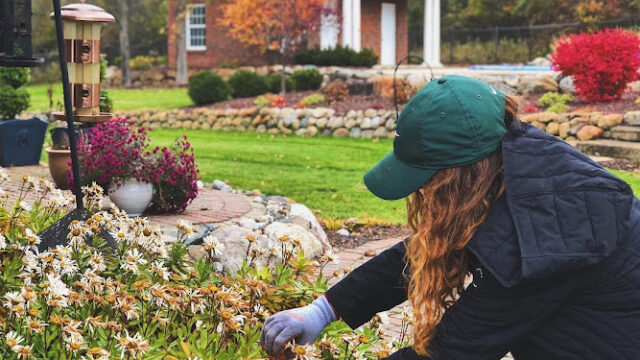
21,142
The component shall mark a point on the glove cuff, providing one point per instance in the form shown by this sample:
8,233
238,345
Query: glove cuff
324,310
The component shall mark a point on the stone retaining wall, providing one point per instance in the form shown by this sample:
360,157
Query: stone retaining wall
574,126
369,123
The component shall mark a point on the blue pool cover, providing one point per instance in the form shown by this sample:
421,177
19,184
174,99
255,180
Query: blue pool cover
509,67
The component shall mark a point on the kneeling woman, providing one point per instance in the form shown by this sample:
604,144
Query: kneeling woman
551,238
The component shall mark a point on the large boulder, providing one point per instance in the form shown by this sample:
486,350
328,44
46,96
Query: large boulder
608,121
309,243
566,85
234,239
632,118
341,133
302,215
563,130
537,85
589,132
498,83
418,80
540,61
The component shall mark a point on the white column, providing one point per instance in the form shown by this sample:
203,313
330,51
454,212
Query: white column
357,34
329,28
432,32
347,24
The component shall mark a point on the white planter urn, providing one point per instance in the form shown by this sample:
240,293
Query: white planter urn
133,196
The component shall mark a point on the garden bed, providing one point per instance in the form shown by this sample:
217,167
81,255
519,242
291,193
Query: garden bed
625,104
365,235
622,165
353,102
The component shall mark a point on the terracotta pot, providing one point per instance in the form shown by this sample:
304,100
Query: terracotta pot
59,167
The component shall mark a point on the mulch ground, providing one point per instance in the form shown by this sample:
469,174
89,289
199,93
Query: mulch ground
364,235
353,102
626,103
622,164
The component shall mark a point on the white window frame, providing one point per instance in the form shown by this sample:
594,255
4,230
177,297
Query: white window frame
189,26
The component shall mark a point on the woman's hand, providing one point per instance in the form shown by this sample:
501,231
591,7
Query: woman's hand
303,324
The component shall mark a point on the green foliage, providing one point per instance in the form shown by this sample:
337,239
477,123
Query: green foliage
45,74
106,103
207,88
147,25
246,83
324,173
275,83
146,299
312,100
229,64
555,102
338,56
261,101
12,101
103,68
13,98
307,79
14,77
483,52
142,63
124,99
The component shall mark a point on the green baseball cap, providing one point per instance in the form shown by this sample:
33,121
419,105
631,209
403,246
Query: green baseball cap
451,122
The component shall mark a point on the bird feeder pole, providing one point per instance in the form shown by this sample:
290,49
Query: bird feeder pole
78,28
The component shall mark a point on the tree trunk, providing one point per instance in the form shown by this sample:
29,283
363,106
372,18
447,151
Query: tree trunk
125,46
283,76
181,40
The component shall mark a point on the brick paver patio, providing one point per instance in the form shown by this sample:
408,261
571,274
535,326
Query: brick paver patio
210,207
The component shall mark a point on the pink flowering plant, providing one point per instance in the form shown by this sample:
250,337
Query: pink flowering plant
117,151
177,184
114,152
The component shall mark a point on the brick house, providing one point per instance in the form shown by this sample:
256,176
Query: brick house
377,24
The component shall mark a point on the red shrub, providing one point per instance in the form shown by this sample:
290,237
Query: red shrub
601,63
530,108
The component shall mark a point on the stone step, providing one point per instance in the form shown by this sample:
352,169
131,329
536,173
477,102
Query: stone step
623,132
611,148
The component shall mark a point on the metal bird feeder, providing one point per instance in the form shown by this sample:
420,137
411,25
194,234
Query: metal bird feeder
82,28
15,34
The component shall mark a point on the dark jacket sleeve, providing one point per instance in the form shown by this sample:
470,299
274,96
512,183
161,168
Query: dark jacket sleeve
378,285
484,323
488,320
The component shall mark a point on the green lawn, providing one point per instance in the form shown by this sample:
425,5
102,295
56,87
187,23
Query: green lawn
322,173
632,179
123,99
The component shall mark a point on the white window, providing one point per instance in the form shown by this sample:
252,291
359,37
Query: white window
196,27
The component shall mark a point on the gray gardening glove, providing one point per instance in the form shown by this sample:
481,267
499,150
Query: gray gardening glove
303,324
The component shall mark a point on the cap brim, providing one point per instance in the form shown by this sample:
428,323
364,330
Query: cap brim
390,179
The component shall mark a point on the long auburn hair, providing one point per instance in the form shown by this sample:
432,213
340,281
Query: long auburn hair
443,216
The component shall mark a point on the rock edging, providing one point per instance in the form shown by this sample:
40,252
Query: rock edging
271,218
370,123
